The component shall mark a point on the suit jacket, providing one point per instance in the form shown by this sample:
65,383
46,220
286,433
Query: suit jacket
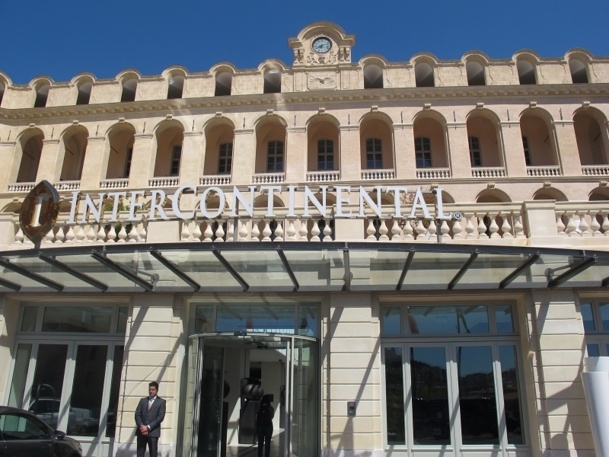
151,417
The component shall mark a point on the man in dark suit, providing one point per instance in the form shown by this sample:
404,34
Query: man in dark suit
149,414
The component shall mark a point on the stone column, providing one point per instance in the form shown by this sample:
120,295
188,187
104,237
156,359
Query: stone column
51,160
94,166
405,163
296,155
142,160
566,147
244,157
555,356
349,153
458,150
193,156
8,174
513,150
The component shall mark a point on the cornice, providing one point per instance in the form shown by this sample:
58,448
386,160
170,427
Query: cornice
161,107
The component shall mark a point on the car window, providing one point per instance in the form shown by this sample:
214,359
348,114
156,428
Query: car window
17,427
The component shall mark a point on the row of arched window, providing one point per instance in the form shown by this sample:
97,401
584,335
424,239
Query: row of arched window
540,147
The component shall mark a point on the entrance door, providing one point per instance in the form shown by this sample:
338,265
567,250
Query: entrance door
226,376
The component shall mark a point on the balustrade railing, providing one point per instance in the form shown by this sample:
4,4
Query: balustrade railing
21,187
595,170
215,180
117,183
543,171
67,185
167,181
575,221
377,175
268,178
323,176
488,172
433,173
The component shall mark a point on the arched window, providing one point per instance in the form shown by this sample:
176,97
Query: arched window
274,156
373,77
424,75
474,151
84,93
176,87
422,148
42,92
224,82
475,74
129,88
272,82
526,72
374,153
579,71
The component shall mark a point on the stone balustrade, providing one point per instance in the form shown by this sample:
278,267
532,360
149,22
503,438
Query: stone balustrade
268,178
582,221
323,176
544,171
165,181
377,175
433,173
215,180
21,187
66,185
489,172
595,170
118,183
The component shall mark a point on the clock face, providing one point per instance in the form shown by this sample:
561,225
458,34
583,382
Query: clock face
322,45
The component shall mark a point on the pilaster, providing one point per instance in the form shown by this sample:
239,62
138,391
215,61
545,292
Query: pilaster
142,161
349,152
94,166
8,174
405,163
51,160
458,147
193,155
296,161
567,148
244,156
514,151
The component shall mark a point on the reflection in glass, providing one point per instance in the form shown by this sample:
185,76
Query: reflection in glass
593,350
429,395
48,382
394,396
22,360
204,318
304,440
89,319
504,318
390,322
255,318
121,323
30,313
212,387
587,317
308,318
511,394
604,312
117,367
87,390
434,320
477,402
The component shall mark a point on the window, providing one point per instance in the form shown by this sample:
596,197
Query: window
274,157
84,93
527,154
76,356
475,74
325,155
224,82
272,82
42,93
452,376
129,88
579,74
373,77
374,153
175,87
1,92
474,151
422,148
225,158
424,75
128,159
595,314
526,72
176,156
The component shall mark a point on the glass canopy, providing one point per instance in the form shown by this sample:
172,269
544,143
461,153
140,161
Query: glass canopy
297,267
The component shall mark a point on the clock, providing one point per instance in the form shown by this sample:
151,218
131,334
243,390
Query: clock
322,45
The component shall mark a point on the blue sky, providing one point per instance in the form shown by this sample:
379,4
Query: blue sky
63,38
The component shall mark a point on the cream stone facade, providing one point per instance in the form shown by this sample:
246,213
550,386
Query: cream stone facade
363,238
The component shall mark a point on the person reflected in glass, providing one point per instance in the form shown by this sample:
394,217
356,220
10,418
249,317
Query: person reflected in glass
264,425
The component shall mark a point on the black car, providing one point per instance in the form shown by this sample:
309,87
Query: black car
22,434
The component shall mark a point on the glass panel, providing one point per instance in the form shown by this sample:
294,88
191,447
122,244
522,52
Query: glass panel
210,414
431,422
16,427
117,368
255,318
121,323
472,319
204,319
593,350
604,313
373,270
478,406
308,320
588,317
30,315
511,394
22,361
394,396
433,270
432,320
504,319
48,382
304,439
87,390
259,268
490,269
391,321
90,319
317,270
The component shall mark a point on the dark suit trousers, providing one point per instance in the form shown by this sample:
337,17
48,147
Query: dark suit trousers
151,442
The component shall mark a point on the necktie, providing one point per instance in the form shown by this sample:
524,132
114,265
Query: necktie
150,403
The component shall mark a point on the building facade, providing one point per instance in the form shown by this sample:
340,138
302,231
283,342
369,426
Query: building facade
410,257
